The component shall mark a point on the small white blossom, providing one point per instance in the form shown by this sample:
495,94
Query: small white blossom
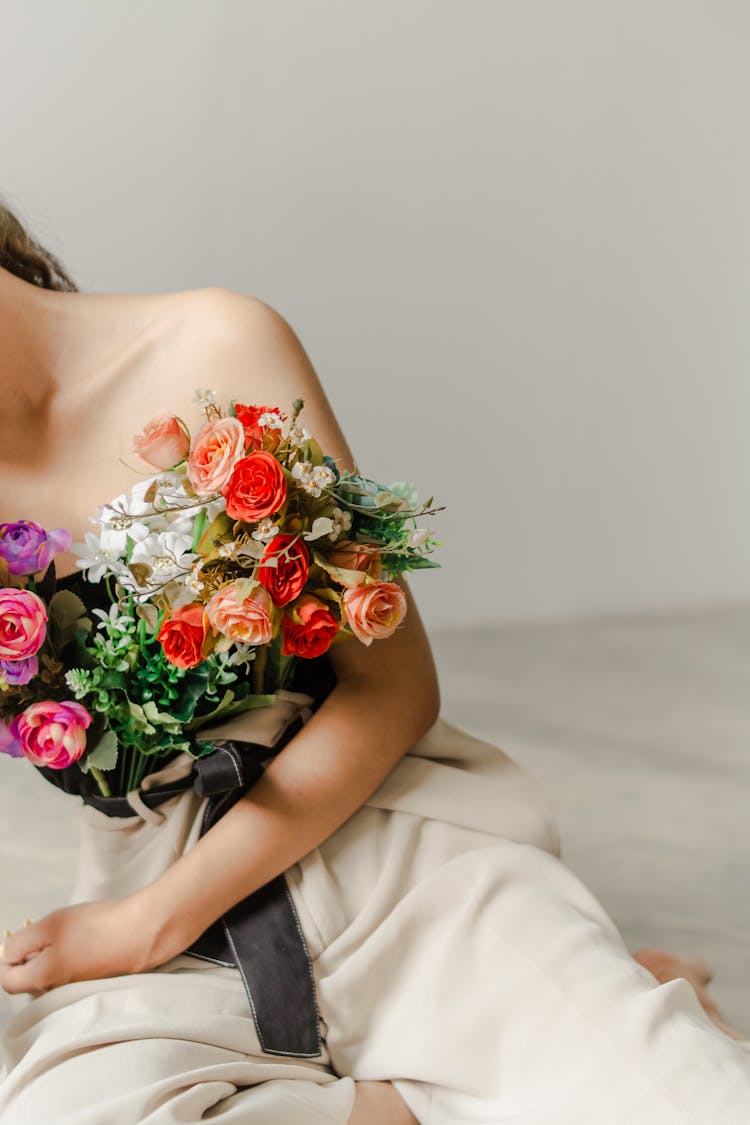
241,654
113,619
205,398
271,420
297,436
266,530
324,476
313,478
342,521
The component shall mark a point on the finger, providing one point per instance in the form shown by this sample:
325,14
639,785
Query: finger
21,943
31,976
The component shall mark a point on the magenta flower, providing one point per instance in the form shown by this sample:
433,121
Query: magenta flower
23,623
52,734
9,743
14,673
28,548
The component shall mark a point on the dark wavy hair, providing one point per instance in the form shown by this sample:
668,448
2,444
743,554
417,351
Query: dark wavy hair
21,254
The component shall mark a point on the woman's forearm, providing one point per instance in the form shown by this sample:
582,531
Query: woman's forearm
323,775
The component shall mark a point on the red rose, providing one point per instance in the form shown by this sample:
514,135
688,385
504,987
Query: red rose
285,580
316,629
256,487
182,635
257,436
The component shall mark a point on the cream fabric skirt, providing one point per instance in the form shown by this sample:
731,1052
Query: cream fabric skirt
454,954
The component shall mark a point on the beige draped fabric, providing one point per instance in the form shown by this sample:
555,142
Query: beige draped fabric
454,954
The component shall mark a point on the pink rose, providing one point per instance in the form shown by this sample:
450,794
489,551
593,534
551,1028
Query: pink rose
243,619
374,611
23,623
213,453
163,441
364,557
52,734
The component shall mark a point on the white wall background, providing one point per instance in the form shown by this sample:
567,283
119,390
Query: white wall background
514,238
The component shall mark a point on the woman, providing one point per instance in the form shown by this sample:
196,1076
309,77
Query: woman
459,972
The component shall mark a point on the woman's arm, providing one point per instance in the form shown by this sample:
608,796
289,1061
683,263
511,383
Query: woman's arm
386,697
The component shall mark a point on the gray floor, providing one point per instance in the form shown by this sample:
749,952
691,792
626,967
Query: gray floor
638,728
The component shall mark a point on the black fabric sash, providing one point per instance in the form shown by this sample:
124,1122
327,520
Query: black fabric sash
261,935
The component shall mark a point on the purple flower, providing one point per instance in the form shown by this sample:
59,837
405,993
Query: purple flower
18,672
9,742
28,548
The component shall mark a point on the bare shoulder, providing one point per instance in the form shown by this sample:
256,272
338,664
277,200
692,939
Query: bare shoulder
227,318
252,354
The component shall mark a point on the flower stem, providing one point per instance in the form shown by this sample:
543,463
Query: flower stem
101,782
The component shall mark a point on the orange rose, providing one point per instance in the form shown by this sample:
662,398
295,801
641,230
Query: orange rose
256,435
163,441
374,611
243,619
213,453
310,628
182,635
256,488
285,579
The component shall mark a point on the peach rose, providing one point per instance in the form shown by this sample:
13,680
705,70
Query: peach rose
213,454
374,611
23,623
52,734
243,619
163,441
348,555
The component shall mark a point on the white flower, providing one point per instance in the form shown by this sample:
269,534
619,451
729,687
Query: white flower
168,553
297,436
313,478
96,560
341,520
114,618
266,530
241,654
205,398
271,420
303,472
324,476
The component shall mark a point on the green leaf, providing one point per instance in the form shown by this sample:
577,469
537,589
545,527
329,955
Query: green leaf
198,528
223,712
104,754
66,611
192,689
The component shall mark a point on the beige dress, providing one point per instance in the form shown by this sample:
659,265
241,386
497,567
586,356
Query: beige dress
453,952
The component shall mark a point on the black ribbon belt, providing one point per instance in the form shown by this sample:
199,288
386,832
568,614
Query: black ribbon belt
261,935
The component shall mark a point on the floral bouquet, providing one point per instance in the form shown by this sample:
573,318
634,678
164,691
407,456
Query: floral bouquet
246,552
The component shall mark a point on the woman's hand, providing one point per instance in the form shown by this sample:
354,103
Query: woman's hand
86,941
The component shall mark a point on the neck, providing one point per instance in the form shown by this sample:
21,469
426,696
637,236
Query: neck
33,326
